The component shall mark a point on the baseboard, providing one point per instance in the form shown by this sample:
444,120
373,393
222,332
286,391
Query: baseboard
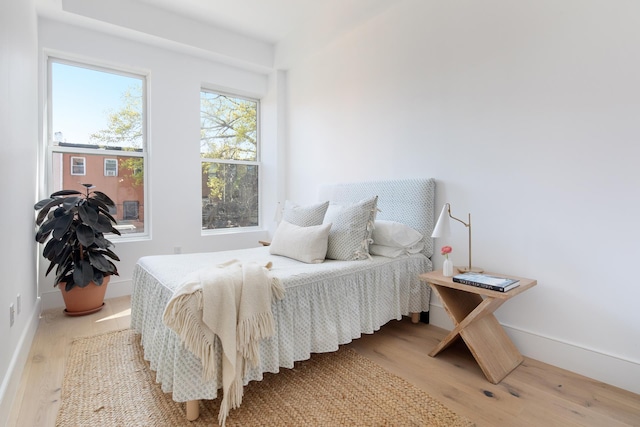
11,383
593,364
53,298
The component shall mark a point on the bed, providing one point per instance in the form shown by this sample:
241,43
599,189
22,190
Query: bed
325,304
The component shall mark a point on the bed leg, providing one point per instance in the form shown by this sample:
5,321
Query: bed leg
415,317
193,409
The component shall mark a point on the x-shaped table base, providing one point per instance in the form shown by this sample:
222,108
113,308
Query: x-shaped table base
471,310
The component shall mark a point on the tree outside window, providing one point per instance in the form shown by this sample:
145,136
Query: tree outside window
229,148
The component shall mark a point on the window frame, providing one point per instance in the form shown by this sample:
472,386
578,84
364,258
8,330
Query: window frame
50,149
257,162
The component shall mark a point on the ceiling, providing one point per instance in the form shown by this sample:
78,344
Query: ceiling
266,20
254,34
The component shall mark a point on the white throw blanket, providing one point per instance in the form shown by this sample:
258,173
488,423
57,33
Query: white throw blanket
233,301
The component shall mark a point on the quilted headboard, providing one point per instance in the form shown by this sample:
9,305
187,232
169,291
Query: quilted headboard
409,201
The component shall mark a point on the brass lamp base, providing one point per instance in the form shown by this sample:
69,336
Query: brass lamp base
470,270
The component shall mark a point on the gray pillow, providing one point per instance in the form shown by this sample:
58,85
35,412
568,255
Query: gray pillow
350,233
304,216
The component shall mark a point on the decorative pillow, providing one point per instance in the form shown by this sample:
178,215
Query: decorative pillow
350,233
304,216
306,244
395,234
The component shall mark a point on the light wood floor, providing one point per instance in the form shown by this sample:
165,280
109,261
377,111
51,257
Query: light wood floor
535,394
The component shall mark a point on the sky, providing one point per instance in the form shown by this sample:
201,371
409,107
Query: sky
83,98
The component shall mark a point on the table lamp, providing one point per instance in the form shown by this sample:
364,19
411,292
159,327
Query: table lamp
442,229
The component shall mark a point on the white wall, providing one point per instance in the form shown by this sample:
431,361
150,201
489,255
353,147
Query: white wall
18,177
526,113
174,82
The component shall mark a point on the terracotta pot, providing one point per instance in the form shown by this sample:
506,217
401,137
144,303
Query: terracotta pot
87,300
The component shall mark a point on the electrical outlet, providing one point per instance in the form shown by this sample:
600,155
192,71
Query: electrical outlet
12,315
18,303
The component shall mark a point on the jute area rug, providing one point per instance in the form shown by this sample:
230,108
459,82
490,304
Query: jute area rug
108,383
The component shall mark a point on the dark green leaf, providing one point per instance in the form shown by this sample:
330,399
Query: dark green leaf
101,242
62,225
64,256
98,204
60,249
65,262
98,277
69,283
64,276
50,249
103,198
108,215
100,262
88,215
114,269
85,234
102,208
82,273
45,229
45,210
70,202
104,225
42,203
65,193
58,212
51,265
111,254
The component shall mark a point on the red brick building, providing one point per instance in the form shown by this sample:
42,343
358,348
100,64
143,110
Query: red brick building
119,177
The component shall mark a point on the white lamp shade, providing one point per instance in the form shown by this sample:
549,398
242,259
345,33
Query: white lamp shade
442,228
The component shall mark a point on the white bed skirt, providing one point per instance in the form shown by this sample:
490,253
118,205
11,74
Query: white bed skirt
325,305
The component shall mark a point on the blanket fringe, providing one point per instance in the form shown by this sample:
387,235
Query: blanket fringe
250,332
231,400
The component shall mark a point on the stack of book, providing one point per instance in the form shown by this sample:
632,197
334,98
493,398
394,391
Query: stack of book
486,281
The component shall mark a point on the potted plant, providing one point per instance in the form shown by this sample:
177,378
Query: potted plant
76,223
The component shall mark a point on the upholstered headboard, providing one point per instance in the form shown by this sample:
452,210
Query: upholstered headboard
409,201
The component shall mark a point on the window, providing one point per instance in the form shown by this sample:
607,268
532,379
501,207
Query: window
229,149
77,166
111,167
97,135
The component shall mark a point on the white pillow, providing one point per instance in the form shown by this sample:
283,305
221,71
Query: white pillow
304,216
351,230
388,251
306,244
394,251
395,234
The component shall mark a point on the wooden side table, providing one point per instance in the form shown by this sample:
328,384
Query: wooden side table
471,309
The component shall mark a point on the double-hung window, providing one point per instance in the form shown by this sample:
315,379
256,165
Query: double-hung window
229,149
110,167
97,135
78,165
